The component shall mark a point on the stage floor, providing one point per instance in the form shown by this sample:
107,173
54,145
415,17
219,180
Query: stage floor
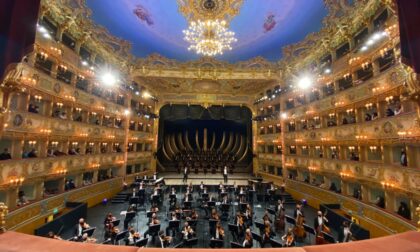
173,178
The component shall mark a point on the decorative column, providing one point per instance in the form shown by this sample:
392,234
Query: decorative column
3,213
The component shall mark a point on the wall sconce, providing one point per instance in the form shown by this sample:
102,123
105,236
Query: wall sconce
95,165
389,99
333,148
298,140
81,77
352,148
317,147
347,75
349,111
373,148
74,144
386,184
43,56
54,144
16,181
323,139
292,147
38,98
45,131
61,171
404,133
32,143
378,89
27,80
384,52
134,138
304,147
365,65
345,174
104,144
79,110
331,115
62,68
55,50
59,104
368,105
361,137
93,113
270,126
91,144
312,168
83,134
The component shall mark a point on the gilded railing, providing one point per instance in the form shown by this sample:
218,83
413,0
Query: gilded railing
404,179
378,130
50,167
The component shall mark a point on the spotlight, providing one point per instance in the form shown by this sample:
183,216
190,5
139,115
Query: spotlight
304,82
283,115
137,93
126,112
84,63
376,36
370,42
108,79
42,29
47,35
327,71
146,94
364,48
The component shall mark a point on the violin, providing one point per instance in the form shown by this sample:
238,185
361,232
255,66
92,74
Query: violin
289,240
85,225
136,235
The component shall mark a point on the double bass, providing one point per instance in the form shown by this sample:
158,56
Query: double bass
299,230
280,221
321,230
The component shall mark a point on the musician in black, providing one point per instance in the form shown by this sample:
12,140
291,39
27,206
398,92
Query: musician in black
185,174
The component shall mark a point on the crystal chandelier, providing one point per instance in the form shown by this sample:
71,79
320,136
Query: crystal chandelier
210,37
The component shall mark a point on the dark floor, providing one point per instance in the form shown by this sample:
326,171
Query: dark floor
96,215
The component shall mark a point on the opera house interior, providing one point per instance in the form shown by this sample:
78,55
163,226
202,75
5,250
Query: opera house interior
132,125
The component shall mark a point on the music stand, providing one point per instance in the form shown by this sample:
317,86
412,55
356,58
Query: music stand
107,241
187,204
205,196
257,237
309,229
216,243
149,214
155,199
225,207
120,235
172,196
142,242
89,231
271,211
328,237
211,203
192,223
154,230
290,220
192,242
242,207
235,245
222,195
115,223
134,200
174,224
259,225
233,228
275,244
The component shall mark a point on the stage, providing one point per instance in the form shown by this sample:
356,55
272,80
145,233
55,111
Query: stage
173,178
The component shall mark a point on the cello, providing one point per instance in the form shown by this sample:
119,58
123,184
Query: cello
299,230
280,221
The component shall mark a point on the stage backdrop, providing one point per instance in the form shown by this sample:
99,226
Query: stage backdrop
184,126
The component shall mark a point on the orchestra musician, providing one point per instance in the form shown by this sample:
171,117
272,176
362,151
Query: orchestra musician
185,174
220,232
154,221
173,229
187,232
248,241
345,234
173,191
239,221
289,238
165,239
320,223
81,226
299,230
266,217
225,174
194,215
133,236
214,216
267,233
248,215
280,217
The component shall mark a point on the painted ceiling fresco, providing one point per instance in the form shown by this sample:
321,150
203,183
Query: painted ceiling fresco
262,27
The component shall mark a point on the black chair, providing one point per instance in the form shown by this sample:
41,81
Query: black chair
235,245
275,244
121,235
142,242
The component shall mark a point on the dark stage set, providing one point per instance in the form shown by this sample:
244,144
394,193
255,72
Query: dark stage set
204,139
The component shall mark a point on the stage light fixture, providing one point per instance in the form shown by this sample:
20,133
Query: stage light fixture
146,95
108,79
126,112
283,115
304,82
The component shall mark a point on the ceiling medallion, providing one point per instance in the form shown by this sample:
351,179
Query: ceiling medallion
209,38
